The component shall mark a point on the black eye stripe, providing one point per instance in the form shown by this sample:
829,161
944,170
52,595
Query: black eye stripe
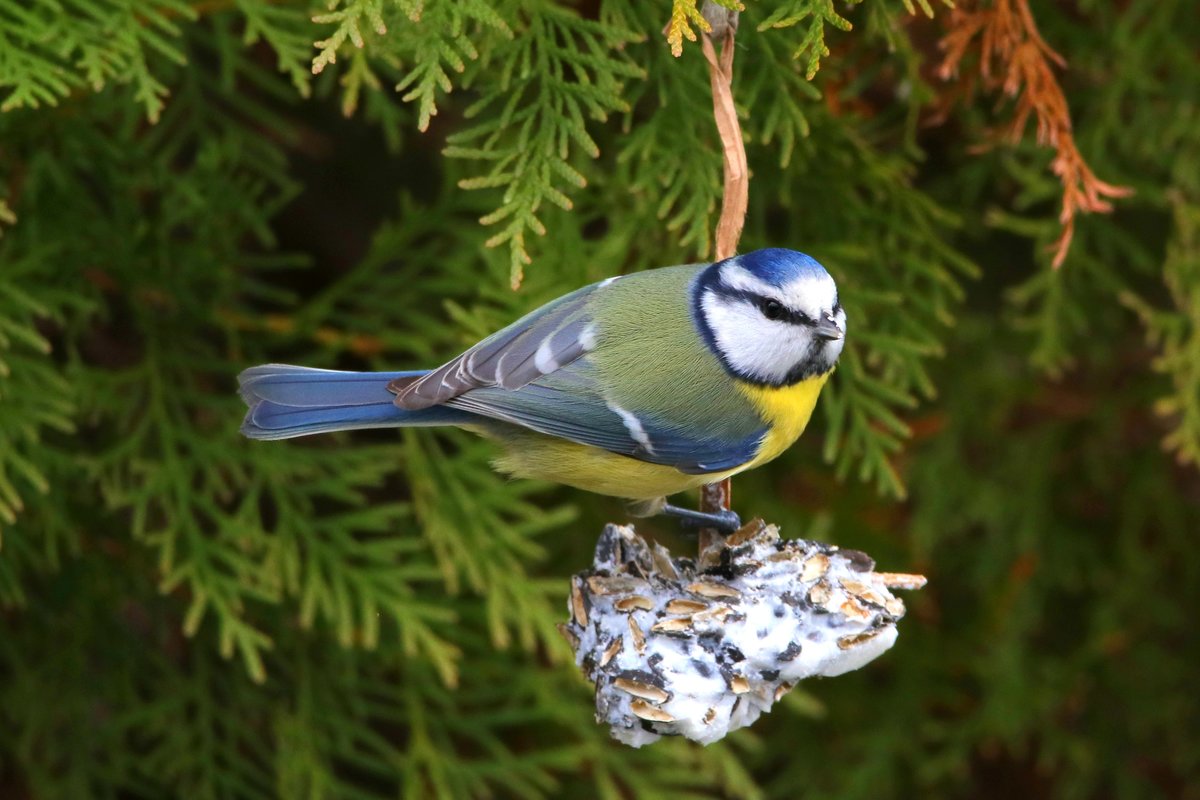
771,308
759,301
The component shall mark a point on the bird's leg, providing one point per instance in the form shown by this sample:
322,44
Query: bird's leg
725,521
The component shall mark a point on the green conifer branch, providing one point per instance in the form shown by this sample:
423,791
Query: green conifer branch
774,96
34,394
558,72
48,50
675,168
351,18
813,16
424,41
1176,332
287,30
446,38
482,533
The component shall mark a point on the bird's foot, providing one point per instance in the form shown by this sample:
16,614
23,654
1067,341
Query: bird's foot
725,521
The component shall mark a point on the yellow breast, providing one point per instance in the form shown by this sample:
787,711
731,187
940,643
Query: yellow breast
786,411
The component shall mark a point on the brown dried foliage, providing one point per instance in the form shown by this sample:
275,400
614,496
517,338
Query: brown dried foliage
1015,59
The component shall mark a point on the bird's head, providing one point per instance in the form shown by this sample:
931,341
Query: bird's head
771,316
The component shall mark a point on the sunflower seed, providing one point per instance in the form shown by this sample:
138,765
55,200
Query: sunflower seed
578,603
846,642
745,533
855,587
612,651
863,592
617,584
714,590
645,711
854,610
673,625
714,614
664,564
635,633
634,603
821,593
679,606
814,567
642,690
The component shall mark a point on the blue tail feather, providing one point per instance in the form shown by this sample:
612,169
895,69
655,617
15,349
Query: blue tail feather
308,387
287,401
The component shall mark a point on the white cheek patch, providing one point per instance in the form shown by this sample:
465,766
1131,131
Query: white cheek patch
752,344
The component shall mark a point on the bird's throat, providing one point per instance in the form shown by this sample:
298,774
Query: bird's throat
786,410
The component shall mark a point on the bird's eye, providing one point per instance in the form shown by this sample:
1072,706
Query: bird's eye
772,309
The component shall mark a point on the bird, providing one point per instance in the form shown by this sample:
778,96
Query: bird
639,386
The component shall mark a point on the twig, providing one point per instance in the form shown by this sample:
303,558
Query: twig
737,173
723,25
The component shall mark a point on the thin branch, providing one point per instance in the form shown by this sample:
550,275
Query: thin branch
737,172
723,24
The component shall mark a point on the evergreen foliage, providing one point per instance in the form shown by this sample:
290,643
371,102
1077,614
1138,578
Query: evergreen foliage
190,188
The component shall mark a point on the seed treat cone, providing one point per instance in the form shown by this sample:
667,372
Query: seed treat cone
699,648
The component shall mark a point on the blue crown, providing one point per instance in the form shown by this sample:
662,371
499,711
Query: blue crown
777,265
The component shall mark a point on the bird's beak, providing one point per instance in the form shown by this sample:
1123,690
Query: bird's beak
828,330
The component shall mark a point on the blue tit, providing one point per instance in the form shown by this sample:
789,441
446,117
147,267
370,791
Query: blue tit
639,386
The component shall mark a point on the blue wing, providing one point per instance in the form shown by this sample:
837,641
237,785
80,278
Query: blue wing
571,405
535,345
